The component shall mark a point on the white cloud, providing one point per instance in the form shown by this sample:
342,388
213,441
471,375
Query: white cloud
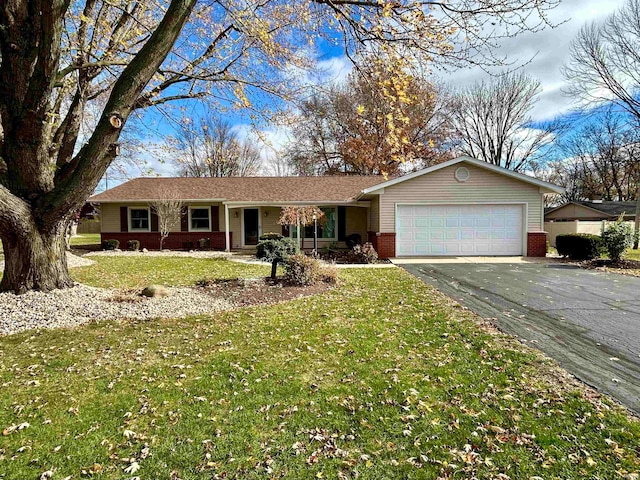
543,53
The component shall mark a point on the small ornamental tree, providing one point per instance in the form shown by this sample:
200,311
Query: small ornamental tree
275,250
301,217
168,208
617,237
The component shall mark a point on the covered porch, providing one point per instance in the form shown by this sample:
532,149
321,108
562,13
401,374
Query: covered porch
246,222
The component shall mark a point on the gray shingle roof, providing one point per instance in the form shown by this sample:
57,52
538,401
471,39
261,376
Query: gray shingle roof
243,189
611,208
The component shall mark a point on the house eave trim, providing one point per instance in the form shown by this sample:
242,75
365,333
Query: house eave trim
548,187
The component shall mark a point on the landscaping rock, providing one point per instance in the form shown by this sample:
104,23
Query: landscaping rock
82,304
144,250
73,261
154,291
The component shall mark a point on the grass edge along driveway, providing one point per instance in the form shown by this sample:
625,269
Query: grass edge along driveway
383,377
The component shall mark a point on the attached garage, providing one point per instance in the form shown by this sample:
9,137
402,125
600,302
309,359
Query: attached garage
459,230
463,207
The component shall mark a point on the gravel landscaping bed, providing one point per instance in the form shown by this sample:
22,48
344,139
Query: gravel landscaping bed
83,304
156,253
73,261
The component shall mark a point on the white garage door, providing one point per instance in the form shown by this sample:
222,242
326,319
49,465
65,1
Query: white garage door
458,230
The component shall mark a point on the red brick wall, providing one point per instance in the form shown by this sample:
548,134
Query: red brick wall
536,244
384,243
151,240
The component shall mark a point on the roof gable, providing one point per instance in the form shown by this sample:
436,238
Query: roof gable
604,209
546,186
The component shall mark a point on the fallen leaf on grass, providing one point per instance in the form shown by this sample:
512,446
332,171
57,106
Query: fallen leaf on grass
13,428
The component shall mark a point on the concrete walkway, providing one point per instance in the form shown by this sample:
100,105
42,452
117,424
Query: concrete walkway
449,260
251,260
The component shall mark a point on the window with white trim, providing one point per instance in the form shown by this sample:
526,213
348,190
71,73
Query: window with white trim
200,219
138,219
326,229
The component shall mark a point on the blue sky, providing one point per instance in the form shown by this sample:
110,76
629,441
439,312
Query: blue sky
539,54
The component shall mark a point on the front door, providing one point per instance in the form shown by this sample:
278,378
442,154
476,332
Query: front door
251,226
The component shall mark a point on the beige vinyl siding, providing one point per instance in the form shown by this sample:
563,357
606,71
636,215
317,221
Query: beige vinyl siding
374,212
357,221
441,186
235,226
575,212
110,217
269,223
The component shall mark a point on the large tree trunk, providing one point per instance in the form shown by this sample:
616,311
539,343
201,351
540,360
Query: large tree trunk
35,260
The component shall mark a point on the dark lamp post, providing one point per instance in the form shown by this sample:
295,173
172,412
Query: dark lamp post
315,235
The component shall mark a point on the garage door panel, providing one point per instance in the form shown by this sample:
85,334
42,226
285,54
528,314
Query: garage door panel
498,222
459,230
405,235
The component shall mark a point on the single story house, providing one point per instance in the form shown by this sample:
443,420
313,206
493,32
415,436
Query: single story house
591,210
585,217
461,207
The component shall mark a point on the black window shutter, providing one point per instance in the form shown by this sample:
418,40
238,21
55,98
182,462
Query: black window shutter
215,218
124,219
184,219
285,230
154,221
342,224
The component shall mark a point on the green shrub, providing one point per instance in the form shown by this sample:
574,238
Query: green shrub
616,238
111,244
271,236
275,251
363,254
330,248
329,274
353,240
133,245
579,246
301,270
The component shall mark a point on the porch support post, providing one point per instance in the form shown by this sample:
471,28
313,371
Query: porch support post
227,247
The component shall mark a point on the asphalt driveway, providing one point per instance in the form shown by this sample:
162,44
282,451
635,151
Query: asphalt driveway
588,321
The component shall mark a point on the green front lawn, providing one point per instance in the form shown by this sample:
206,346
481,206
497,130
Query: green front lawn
86,239
382,377
632,254
135,272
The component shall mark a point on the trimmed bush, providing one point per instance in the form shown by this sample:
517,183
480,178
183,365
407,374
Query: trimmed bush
204,243
275,251
133,245
329,275
301,270
579,246
271,236
111,244
617,238
353,240
363,254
